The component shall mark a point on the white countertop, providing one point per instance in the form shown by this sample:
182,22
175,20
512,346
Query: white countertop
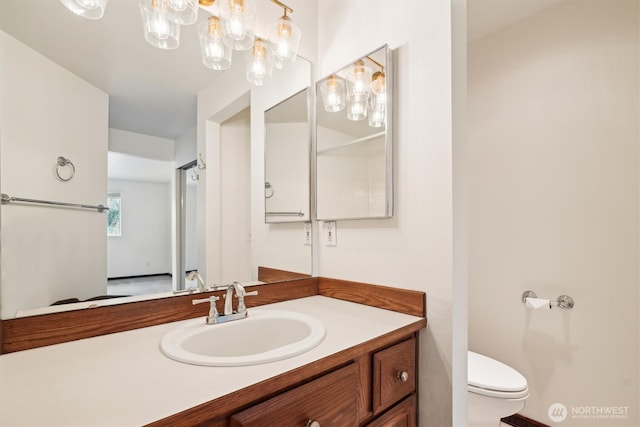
123,379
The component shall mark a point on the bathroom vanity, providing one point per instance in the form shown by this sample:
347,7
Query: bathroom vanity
364,371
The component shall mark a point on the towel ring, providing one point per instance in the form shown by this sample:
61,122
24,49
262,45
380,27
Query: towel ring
62,162
268,190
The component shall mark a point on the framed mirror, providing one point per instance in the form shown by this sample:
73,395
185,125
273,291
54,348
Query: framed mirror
354,149
286,160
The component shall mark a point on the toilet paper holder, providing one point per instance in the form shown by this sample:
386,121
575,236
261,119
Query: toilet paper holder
564,302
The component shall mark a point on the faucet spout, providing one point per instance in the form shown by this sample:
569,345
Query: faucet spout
196,275
240,293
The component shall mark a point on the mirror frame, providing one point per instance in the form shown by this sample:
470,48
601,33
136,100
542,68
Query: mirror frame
388,139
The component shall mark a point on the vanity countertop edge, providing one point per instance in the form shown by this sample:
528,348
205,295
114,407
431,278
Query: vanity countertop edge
124,379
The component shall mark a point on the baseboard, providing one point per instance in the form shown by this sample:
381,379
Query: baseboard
518,420
139,276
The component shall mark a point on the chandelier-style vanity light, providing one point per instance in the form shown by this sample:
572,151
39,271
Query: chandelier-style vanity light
90,9
366,93
285,35
231,28
258,67
159,30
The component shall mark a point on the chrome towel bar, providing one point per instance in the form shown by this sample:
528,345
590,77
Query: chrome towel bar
8,199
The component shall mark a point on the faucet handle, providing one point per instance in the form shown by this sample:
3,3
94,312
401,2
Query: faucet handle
241,306
211,299
213,310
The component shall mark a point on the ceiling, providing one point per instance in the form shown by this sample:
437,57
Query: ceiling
151,91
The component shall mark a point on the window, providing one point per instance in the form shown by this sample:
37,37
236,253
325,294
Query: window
114,225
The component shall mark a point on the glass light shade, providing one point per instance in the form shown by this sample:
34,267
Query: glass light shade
377,113
285,37
379,83
258,67
356,110
158,30
90,9
332,93
358,81
215,53
238,17
183,12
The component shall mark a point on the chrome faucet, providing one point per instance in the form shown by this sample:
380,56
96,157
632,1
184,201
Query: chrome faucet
195,275
240,293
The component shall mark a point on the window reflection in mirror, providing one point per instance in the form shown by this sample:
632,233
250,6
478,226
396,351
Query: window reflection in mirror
287,142
354,140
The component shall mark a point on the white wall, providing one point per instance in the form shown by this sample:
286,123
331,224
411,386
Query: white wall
47,253
145,245
235,198
186,147
414,248
553,185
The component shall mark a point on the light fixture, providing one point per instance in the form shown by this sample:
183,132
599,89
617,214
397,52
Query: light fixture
258,67
183,12
356,109
366,93
91,9
378,100
232,27
332,93
358,82
239,18
159,31
285,36
215,53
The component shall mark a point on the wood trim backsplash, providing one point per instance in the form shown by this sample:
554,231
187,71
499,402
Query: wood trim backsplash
269,275
37,331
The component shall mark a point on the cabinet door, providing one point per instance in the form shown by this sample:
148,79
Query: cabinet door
394,374
329,400
401,415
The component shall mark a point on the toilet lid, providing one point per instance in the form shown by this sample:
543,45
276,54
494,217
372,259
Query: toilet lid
487,375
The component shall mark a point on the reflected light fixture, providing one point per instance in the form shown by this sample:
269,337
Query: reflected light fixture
232,28
366,93
159,31
358,82
378,101
332,93
216,54
258,67
239,23
285,36
90,9
183,12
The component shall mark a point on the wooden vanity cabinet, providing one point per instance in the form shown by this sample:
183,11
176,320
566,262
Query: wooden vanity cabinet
375,390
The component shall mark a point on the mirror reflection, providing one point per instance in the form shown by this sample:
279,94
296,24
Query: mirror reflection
50,109
354,140
287,143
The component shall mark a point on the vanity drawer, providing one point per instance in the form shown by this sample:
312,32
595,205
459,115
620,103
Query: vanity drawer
394,374
330,400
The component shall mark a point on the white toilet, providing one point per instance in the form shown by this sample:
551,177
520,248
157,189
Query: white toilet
495,390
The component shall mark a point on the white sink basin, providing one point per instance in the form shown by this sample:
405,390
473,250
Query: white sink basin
264,336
